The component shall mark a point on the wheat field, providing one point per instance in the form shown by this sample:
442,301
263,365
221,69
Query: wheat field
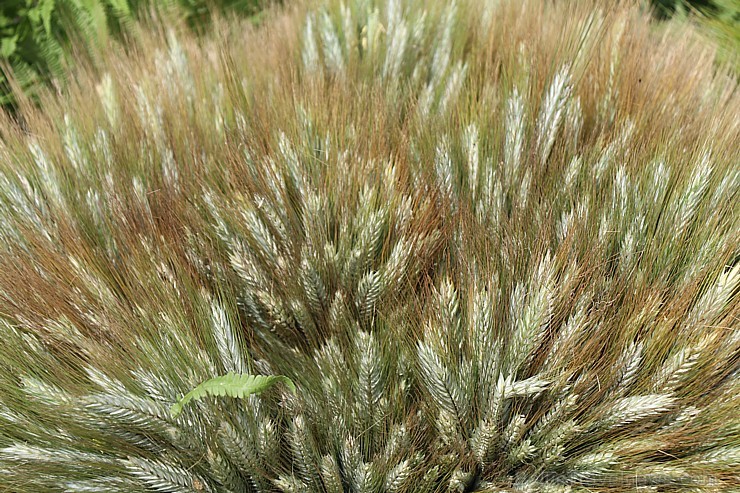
494,244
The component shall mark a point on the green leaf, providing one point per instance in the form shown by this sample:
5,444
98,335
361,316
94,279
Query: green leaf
232,385
120,8
46,7
7,46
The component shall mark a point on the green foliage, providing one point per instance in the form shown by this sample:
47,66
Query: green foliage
36,36
722,23
670,7
718,19
198,12
232,385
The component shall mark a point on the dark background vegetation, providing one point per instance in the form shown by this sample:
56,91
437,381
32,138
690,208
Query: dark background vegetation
36,35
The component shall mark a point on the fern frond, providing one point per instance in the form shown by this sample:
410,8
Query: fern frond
233,385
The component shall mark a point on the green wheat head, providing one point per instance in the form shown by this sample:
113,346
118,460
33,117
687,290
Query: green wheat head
484,246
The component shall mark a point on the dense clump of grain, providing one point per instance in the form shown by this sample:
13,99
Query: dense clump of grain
494,244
